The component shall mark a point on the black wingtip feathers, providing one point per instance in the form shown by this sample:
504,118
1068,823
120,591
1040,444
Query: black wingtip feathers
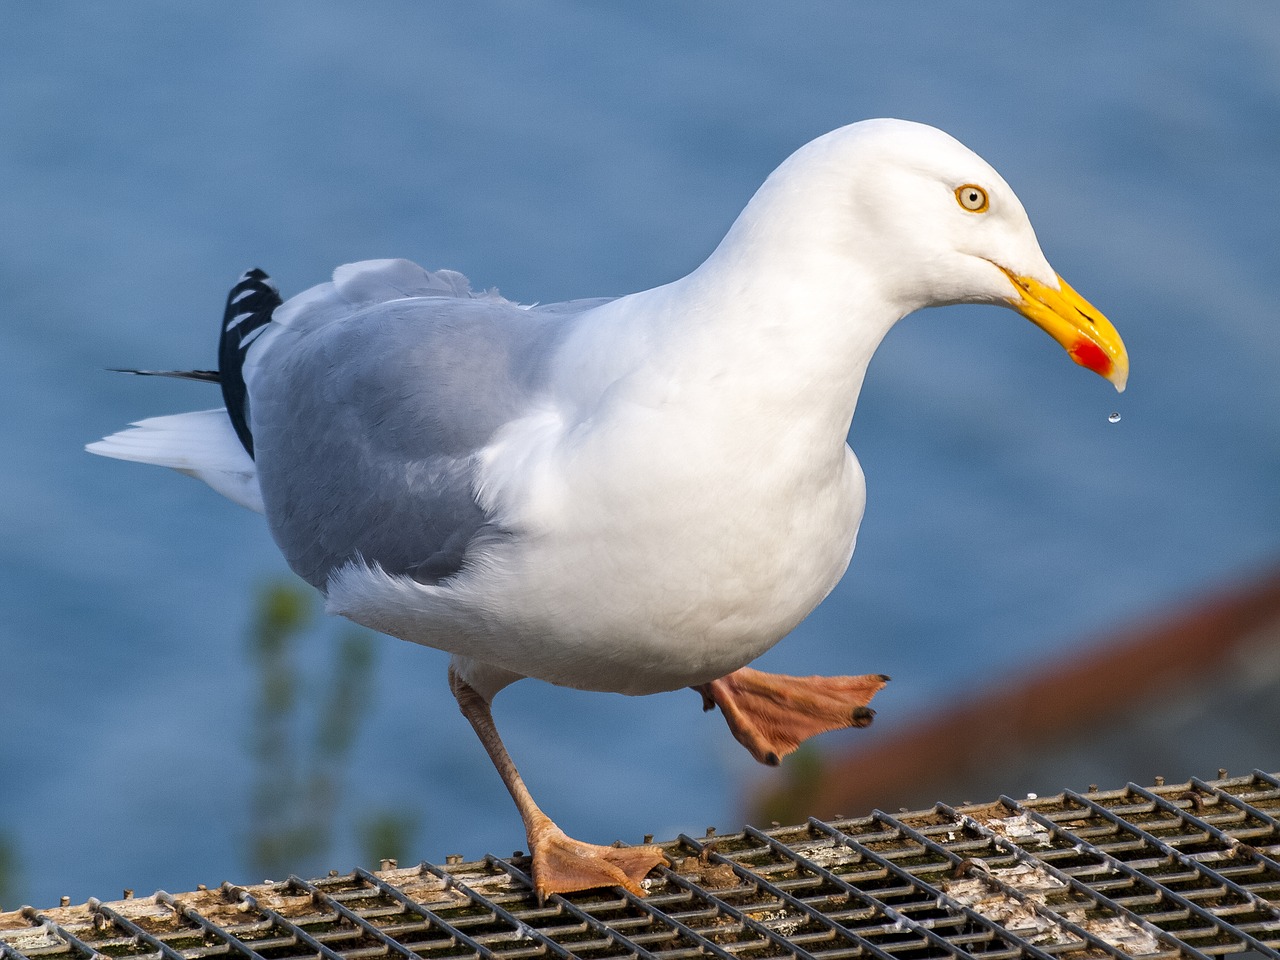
249,307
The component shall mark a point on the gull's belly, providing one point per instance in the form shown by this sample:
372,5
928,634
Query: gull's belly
694,588
636,562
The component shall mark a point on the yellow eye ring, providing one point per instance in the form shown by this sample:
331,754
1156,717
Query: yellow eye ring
973,198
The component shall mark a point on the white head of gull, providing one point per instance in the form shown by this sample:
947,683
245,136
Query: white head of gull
630,495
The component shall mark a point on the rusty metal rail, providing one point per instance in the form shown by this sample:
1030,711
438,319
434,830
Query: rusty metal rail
1185,870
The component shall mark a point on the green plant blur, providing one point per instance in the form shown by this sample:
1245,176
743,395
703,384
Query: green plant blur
315,688
8,872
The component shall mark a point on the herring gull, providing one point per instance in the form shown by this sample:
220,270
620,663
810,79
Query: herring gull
633,494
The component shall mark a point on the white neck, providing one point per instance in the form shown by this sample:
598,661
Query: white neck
778,319
773,331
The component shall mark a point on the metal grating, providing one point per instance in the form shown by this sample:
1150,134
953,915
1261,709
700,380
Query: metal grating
1185,870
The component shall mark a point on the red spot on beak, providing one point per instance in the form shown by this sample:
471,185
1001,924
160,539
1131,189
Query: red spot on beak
1091,356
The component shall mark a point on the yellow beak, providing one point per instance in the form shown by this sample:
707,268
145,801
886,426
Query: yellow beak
1070,319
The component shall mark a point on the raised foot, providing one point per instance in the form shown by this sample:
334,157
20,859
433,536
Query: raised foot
564,865
771,713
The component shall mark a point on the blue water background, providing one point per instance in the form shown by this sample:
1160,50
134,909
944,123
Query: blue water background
151,151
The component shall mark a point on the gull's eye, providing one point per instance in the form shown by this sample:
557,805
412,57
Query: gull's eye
973,198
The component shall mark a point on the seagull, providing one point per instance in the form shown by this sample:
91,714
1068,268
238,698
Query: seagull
634,494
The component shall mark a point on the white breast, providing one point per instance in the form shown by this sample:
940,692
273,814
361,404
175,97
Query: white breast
646,557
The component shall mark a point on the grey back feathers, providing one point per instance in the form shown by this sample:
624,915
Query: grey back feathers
368,403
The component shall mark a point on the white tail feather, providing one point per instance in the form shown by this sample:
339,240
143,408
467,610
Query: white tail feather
202,444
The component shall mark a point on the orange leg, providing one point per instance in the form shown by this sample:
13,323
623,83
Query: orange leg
771,713
560,863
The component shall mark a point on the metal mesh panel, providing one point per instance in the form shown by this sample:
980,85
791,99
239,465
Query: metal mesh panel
1189,870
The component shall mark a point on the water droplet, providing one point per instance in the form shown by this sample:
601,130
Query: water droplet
1114,418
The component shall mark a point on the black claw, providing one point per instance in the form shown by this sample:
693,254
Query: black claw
884,677
772,759
862,716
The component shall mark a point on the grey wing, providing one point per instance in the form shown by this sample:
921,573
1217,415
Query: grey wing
366,424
